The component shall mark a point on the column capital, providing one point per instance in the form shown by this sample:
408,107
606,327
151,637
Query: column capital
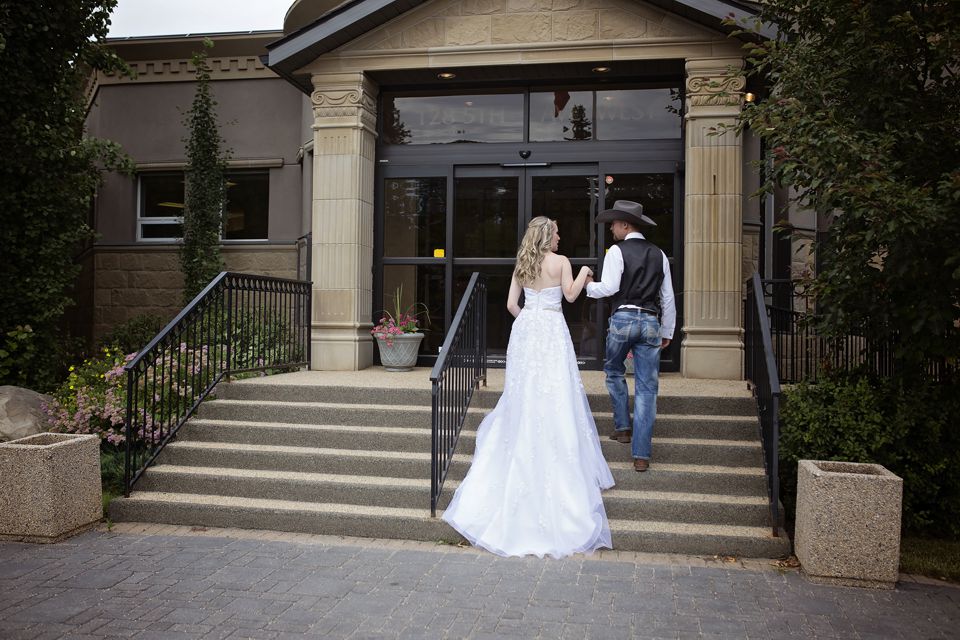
344,99
714,86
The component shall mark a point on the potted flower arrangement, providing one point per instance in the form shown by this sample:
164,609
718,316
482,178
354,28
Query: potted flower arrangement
398,333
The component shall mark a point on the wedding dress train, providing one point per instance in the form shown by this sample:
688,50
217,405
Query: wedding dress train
537,472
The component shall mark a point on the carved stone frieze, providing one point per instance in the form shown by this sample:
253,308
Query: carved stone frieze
447,23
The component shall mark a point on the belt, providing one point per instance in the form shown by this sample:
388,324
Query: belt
550,308
649,312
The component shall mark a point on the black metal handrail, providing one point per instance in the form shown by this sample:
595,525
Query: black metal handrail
459,370
761,370
803,354
238,323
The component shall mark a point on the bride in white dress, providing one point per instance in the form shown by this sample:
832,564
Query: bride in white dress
537,472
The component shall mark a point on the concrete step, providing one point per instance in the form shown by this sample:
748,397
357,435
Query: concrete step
694,476
414,493
416,524
332,413
412,464
483,398
418,438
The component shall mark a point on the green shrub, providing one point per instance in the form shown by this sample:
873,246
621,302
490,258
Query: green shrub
905,428
134,334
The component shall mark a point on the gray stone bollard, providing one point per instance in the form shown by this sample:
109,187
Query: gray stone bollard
848,523
49,486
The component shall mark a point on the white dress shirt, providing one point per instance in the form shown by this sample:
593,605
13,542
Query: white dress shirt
609,284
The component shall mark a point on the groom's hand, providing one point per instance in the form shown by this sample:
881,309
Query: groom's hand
665,343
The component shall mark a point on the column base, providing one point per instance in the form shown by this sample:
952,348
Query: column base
340,348
713,355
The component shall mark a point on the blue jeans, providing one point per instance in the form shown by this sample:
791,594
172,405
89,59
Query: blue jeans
631,330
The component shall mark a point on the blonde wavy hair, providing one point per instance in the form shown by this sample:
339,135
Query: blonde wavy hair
534,246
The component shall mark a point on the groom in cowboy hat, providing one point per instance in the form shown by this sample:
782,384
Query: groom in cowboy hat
636,276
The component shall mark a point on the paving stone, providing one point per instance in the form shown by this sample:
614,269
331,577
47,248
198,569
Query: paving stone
190,586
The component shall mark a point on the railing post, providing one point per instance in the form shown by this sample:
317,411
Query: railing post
229,328
434,448
128,430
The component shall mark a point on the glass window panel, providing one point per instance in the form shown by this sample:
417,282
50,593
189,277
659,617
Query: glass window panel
421,283
571,201
499,319
485,214
441,119
168,231
248,204
638,114
655,192
161,195
414,216
561,115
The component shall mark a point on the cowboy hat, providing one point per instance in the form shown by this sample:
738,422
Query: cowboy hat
627,211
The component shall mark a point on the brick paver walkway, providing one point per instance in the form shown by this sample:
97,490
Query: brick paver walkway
173,582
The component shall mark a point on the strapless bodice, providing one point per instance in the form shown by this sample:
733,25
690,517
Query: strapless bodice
546,299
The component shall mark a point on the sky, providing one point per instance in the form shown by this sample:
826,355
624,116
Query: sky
175,17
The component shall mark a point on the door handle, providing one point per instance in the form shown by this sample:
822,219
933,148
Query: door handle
512,165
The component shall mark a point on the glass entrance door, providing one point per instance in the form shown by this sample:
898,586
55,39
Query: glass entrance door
491,209
440,224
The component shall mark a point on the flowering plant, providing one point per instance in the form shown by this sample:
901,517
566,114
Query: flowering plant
93,398
402,320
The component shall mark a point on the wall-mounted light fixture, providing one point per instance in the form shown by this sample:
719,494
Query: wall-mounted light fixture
446,75
749,98
601,69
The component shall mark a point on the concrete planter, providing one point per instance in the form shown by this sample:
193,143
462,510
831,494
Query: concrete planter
848,523
402,354
49,486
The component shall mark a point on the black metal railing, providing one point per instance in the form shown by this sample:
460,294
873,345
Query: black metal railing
761,371
801,353
458,372
238,323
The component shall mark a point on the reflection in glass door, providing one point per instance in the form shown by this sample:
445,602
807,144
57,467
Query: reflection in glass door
441,224
659,195
492,206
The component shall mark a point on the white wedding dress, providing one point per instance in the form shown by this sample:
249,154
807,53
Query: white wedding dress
534,485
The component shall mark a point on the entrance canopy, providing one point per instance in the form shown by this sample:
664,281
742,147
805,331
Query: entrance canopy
334,27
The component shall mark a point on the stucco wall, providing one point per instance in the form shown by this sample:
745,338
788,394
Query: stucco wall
260,121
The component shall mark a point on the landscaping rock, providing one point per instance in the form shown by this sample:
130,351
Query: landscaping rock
20,413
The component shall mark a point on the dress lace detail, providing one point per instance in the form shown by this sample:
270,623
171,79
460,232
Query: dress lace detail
537,472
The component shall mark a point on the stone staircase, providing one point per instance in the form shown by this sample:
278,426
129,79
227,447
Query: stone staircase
313,454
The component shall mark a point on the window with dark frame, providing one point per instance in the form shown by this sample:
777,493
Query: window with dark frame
161,197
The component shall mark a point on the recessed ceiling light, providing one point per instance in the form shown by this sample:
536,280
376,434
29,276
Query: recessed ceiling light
446,75
601,69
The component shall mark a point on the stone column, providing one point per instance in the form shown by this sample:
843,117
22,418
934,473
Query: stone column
713,225
344,142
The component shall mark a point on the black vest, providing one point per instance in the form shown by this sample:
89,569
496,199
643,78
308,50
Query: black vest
642,275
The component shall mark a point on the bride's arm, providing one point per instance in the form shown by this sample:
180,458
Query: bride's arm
513,298
572,287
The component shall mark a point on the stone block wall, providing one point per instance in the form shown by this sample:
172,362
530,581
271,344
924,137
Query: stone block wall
130,281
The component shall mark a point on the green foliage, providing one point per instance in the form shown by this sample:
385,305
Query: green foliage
134,334
200,258
19,346
908,430
51,170
863,119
